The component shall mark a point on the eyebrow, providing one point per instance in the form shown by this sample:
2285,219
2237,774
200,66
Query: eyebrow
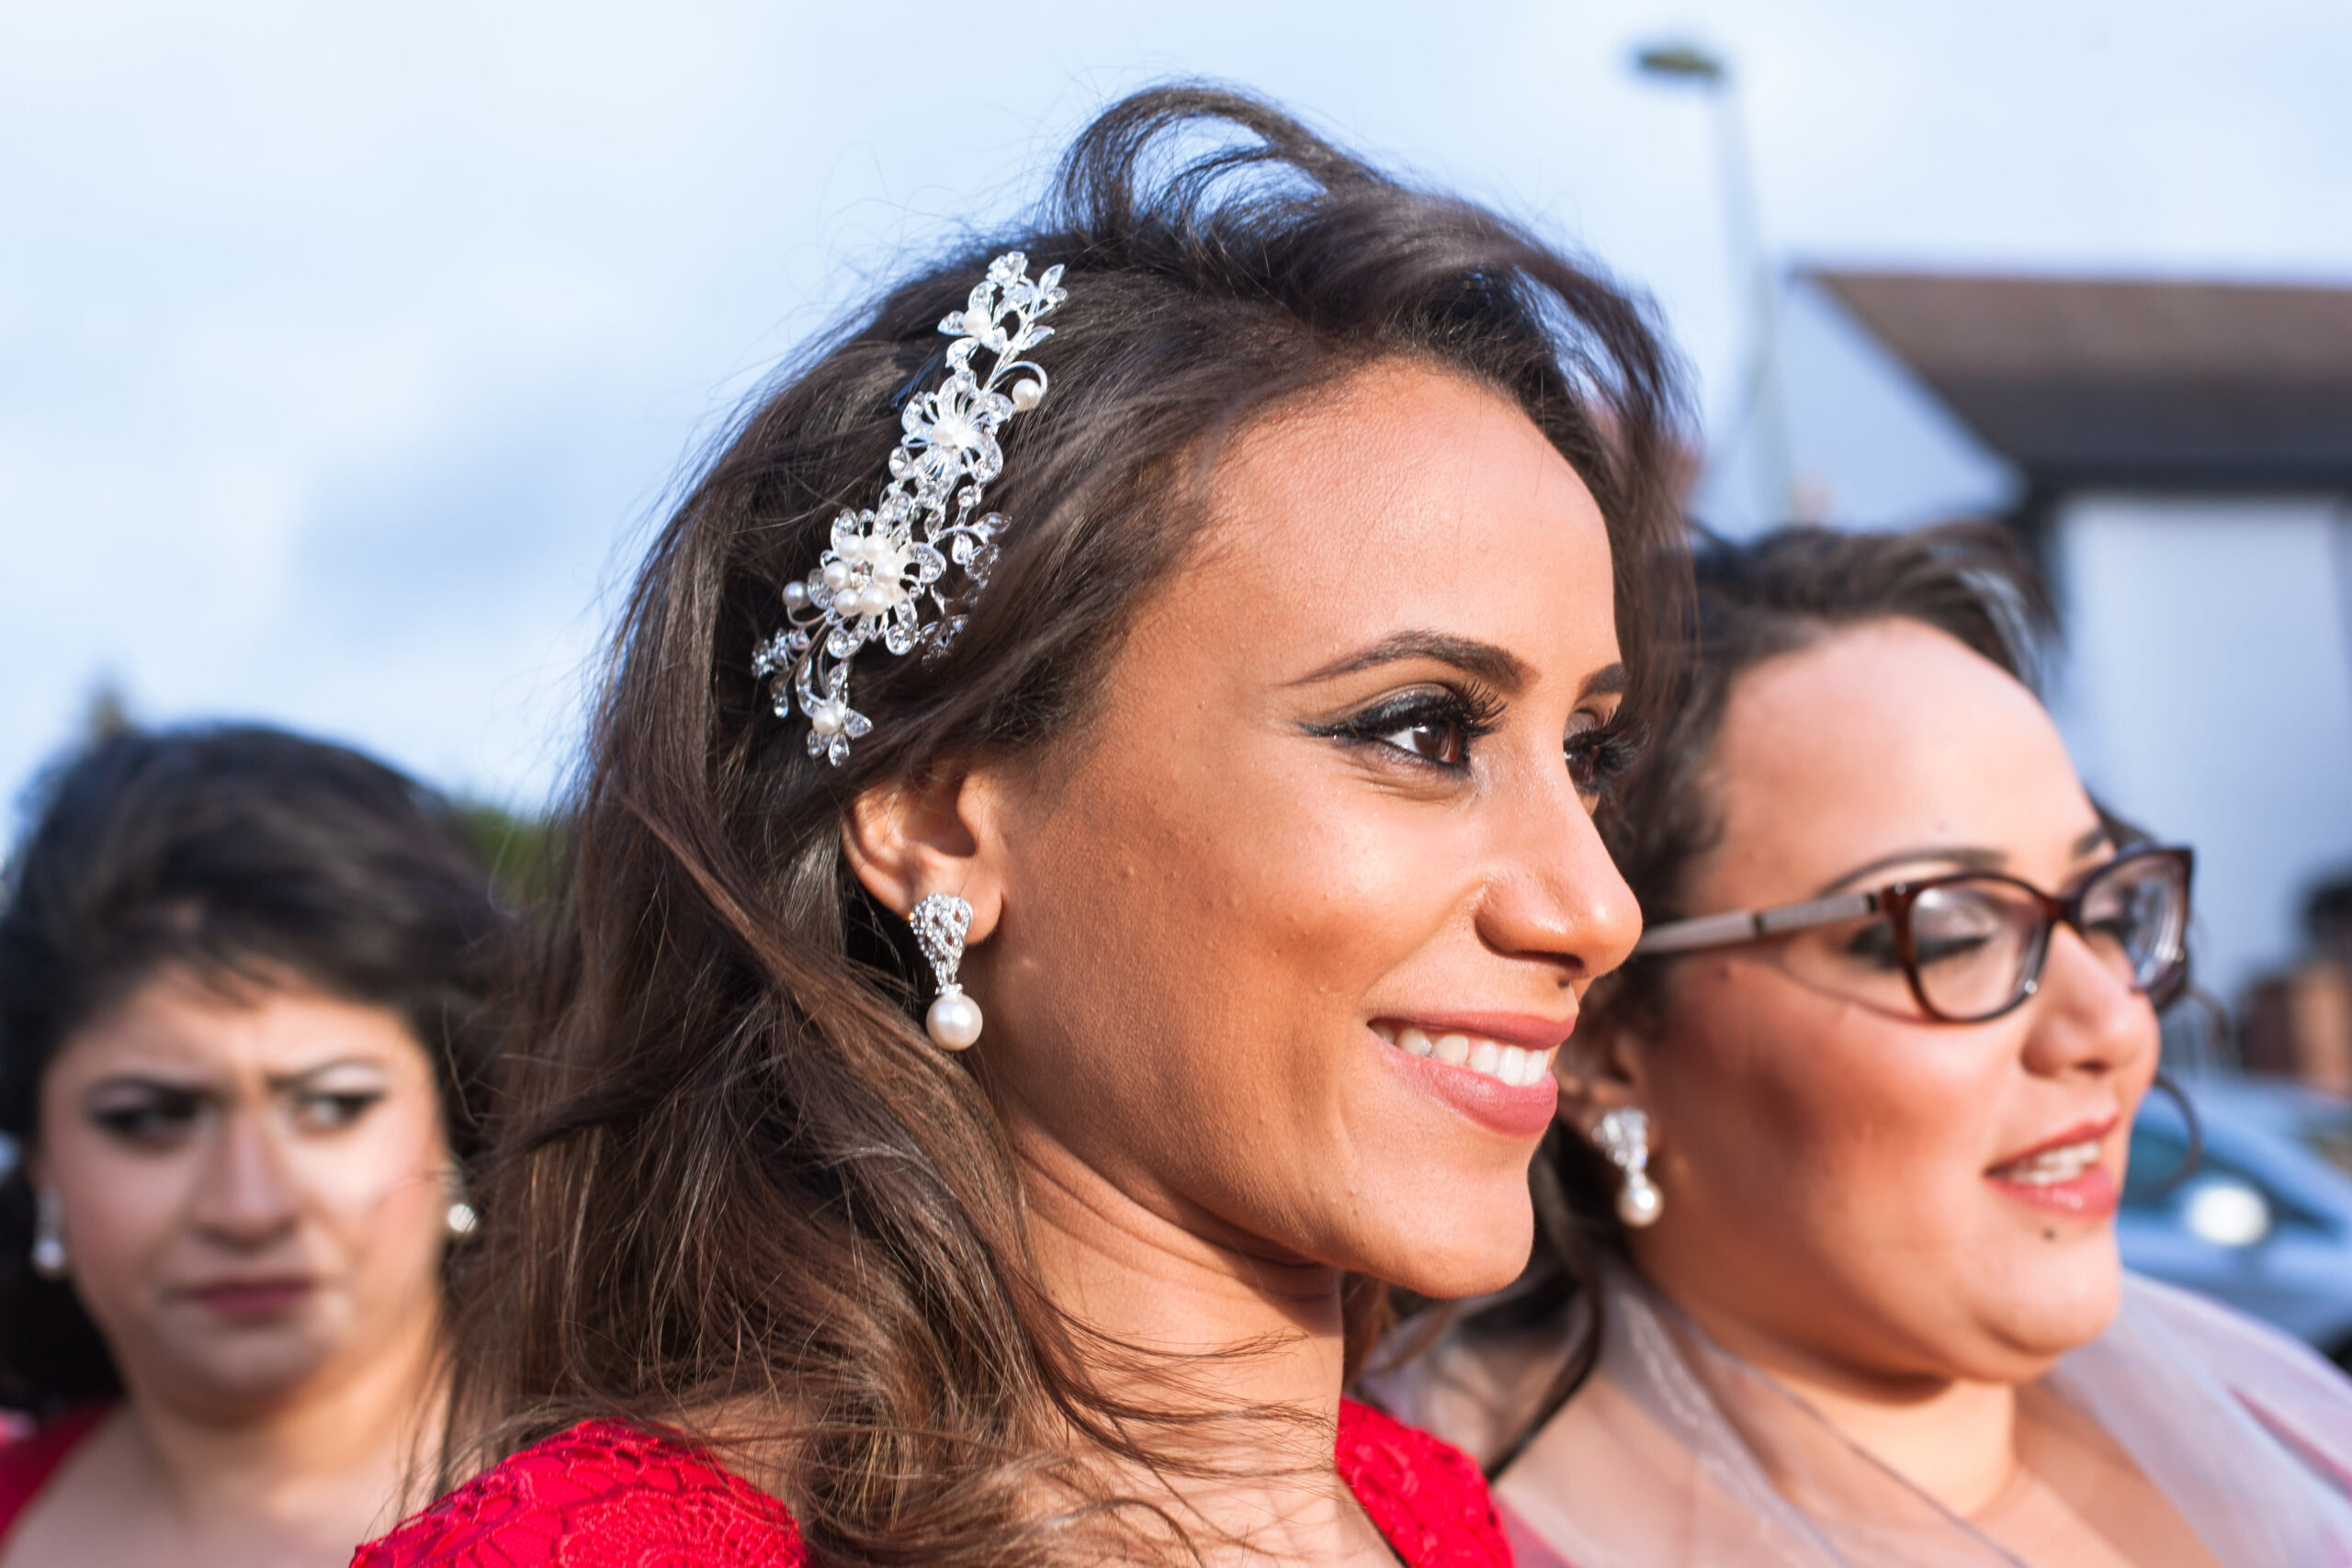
279,1082
1498,667
1973,857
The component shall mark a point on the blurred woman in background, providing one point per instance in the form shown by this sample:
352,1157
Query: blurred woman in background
242,1020
1836,1282
1239,770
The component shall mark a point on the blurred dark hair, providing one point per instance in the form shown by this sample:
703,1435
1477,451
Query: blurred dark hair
744,1173
248,857
1752,602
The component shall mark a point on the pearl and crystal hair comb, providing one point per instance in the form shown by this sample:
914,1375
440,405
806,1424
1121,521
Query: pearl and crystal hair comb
870,585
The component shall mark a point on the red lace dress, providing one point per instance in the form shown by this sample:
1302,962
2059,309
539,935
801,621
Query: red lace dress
606,1495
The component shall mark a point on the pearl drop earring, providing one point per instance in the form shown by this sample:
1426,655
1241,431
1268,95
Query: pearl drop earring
940,922
1623,1136
48,1234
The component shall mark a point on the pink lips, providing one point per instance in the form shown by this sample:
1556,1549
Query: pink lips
2092,1195
251,1301
1519,1112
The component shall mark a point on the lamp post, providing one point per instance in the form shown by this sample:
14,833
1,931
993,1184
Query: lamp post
1761,408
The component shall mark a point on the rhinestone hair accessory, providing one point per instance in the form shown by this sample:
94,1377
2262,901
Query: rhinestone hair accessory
871,584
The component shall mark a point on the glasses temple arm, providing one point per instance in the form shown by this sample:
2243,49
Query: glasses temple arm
1737,926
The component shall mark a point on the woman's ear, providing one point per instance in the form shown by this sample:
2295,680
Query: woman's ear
1601,1071
941,834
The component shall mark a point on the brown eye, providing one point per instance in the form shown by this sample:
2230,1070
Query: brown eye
1439,741
333,1112
1599,756
153,1119
1437,726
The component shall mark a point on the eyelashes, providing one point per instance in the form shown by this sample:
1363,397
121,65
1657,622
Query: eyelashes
1599,757
1439,726
1436,724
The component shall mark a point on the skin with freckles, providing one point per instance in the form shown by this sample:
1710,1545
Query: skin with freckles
1340,781
254,1185
1829,1210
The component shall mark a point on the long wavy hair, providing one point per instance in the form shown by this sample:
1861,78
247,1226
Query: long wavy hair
737,1175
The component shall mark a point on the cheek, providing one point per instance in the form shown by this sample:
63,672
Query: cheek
382,1181
1825,1114
122,1209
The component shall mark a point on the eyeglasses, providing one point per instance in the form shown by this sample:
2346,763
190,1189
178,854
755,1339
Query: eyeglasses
1969,946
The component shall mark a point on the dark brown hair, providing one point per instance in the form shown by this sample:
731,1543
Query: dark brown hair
739,1171
244,856
1751,602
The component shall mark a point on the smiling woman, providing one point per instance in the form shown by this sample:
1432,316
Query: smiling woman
1238,778
1831,1273
241,1018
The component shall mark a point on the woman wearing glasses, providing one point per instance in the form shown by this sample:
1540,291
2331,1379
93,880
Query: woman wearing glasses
1830,1276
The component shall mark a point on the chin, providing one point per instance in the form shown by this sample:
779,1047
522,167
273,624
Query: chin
1446,1256
255,1371
2059,1306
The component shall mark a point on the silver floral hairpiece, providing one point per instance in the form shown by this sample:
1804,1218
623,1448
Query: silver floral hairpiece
870,585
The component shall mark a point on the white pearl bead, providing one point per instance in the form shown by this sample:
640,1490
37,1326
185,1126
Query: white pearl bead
1025,393
954,1021
827,719
836,575
796,595
1639,1203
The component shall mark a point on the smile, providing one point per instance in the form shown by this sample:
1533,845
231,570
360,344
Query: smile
2051,1167
1515,1067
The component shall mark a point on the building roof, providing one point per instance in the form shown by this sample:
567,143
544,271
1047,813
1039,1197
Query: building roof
2087,381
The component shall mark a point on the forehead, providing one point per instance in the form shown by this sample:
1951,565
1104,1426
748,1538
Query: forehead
176,1023
1881,738
1408,495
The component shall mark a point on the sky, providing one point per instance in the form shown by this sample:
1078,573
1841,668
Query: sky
347,353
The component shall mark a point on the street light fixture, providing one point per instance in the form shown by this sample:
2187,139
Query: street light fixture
1761,408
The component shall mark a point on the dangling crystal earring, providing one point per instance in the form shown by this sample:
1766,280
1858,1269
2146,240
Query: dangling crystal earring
1623,1136
940,922
48,1234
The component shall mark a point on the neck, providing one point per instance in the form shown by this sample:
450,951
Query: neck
343,1457
1954,1440
1223,1327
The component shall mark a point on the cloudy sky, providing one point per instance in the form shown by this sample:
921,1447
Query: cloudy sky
345,352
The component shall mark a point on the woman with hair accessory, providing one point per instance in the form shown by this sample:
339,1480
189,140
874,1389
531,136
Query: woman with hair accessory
1040,974
1828,1272
243,1029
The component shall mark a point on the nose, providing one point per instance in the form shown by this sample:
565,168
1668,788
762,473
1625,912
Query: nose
244,1198
1555,893
2088,1019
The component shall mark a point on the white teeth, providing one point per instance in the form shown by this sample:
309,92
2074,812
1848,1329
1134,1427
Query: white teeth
2052,1166
1513,1064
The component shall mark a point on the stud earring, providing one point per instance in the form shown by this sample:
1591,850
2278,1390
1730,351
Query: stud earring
461,1219
48,1234
940,922
1623,1136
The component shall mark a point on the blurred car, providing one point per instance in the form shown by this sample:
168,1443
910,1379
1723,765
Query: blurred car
2263,1221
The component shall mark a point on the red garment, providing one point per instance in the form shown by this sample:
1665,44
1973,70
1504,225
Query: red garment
27,1464
606,1495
